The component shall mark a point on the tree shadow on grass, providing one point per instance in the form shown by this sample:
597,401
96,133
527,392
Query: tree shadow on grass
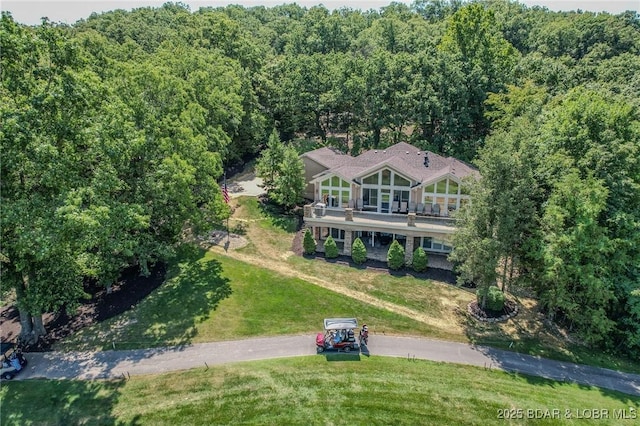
290,222
539,370
62,402
187,299
342,356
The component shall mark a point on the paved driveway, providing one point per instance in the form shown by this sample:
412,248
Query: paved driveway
111,364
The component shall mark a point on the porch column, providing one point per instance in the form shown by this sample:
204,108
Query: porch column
408,250
308,209
348,237
348,214
411,219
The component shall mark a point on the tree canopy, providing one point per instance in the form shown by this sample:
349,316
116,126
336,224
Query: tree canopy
116,130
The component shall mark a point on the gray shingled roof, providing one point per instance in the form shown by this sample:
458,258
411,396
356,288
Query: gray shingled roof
403,157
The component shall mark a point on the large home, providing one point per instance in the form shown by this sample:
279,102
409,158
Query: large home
400,192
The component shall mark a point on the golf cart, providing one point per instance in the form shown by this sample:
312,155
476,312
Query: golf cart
338,335
13,361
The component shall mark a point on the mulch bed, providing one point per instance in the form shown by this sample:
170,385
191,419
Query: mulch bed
435,274
130,289
510,310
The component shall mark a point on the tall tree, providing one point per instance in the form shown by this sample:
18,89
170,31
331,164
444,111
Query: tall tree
487,59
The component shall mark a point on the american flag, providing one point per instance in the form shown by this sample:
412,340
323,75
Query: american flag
225,192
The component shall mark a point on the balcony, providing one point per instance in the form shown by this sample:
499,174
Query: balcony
353,219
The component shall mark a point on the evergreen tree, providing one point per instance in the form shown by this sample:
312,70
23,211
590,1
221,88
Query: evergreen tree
420,261
358,252
289,184
308,244
493,299
395,256
330,248
269,165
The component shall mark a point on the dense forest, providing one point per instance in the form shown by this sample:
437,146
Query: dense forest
115,132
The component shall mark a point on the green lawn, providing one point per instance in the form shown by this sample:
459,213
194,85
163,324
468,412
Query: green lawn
336,389
212,298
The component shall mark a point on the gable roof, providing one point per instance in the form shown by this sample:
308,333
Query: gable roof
403,157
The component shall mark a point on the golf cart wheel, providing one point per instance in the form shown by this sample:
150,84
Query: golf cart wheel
320,349
347,348
7,376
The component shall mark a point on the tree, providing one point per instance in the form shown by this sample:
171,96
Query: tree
269,165
330,248
420,260
289,184
576,255
358,252
493,299
395,256
102,175
309,243
487,60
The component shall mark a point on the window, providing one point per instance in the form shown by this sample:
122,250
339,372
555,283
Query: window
335,192
337,234
447,193
400,181
370,197
434,245
371,180
386,177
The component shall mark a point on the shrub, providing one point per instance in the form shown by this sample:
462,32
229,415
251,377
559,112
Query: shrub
420,260
358,252
495,298
330,248
308,243
395,256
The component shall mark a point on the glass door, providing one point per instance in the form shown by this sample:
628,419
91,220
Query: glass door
385,204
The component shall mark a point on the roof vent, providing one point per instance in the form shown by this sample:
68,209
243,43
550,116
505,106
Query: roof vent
426,161
407,152
376,151
384,152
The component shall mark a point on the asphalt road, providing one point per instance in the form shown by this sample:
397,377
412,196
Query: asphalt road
113,364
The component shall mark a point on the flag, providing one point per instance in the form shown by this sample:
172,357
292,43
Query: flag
225,192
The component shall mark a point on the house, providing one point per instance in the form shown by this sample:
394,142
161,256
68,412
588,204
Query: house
397,193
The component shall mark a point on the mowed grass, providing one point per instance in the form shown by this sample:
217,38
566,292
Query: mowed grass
313,390
212,298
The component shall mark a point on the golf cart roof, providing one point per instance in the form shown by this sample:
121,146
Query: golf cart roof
340,323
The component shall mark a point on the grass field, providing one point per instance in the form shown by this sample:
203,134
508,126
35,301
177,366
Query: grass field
338,389
264,290
214,298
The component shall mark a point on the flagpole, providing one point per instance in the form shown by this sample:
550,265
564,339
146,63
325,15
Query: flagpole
226,200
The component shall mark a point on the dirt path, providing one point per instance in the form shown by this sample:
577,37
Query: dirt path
289,271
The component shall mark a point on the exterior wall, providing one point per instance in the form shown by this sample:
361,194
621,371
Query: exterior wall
311,168
410,229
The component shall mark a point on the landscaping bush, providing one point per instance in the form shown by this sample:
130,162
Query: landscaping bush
420,260
395,256
495,299
308,243
330,248
358,252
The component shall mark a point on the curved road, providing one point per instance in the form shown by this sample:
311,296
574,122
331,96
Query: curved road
112,364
